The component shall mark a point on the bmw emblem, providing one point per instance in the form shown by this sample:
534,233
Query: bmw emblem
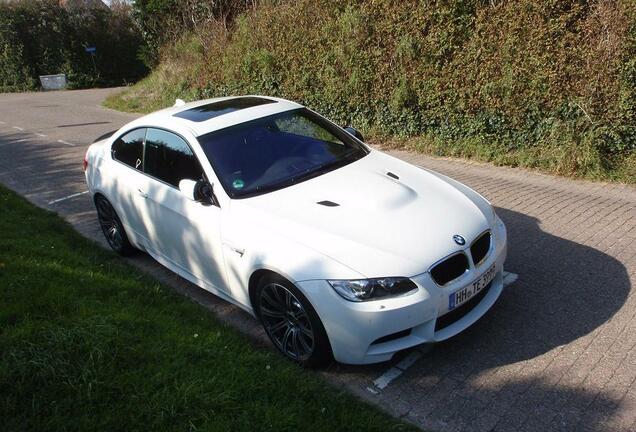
459,240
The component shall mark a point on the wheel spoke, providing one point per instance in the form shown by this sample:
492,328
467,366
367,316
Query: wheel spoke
278,326
272,313
307,332
280,297
306,347
285,340
288,301
294,339
273,302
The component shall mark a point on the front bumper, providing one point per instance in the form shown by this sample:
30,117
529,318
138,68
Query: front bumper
353,327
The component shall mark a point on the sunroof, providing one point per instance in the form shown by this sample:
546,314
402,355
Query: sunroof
215,109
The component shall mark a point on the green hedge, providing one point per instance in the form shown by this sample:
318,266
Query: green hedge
40,37
528,82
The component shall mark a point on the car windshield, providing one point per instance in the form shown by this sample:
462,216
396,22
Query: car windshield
277,151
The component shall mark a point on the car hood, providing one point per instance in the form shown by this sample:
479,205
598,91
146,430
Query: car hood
382,225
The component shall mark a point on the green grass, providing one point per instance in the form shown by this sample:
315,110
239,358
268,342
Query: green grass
569,159
88,342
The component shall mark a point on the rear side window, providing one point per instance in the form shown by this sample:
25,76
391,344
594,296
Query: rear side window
169,158
129,148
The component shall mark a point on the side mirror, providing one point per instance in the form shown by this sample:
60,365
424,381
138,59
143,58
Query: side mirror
353,131
200,191
189,189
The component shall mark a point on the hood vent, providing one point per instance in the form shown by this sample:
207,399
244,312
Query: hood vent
393,176
328,203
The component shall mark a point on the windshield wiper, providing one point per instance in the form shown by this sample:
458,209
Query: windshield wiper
306,175
344,159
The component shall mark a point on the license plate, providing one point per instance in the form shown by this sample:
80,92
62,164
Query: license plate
463,295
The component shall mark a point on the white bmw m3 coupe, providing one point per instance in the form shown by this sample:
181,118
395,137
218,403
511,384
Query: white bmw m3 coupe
340,250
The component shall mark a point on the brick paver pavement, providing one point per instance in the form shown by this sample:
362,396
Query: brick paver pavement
556,353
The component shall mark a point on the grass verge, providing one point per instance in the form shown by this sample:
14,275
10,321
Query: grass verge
87,342
568,160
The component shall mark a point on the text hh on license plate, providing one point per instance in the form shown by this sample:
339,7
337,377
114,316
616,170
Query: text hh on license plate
463,295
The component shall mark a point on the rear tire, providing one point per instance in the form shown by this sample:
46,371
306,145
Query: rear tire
112,227
291,322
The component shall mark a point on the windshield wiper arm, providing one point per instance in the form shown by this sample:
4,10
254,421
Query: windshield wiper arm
306,175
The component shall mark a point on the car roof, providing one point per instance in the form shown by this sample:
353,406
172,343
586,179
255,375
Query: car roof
206,118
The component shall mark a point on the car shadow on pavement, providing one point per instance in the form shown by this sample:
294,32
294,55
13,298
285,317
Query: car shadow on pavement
40,169
565,291
527,356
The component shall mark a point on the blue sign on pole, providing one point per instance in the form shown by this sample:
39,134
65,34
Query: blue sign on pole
91,51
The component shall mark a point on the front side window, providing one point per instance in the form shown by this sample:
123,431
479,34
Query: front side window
129,148
169,158
277,151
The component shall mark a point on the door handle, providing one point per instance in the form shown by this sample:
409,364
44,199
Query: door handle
239,251
142,193
235,249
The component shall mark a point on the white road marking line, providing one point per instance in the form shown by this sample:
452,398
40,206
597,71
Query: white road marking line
67,197
66,142
408,361
41,135
1,122
509,278
18,128
385,379
13,141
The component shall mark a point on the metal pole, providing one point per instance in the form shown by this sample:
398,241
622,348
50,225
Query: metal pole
94,66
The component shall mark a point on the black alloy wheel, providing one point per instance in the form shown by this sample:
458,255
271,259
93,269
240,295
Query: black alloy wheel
112,227
291,322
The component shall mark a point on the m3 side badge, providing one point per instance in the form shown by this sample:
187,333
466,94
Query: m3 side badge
459,240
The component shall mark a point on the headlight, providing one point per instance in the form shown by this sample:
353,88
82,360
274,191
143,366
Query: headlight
371,289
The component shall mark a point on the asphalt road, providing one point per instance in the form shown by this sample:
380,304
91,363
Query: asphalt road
558,350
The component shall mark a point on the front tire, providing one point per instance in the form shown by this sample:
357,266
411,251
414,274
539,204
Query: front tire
291,322
112,227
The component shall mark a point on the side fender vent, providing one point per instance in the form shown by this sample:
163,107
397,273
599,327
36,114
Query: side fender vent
328,203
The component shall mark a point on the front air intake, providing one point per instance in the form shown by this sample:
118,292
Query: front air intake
449,269
480,247
392,336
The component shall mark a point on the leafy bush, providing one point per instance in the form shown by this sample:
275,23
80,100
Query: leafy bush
163,22
40,37
528,82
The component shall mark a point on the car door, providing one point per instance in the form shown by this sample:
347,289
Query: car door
127,181
183,232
